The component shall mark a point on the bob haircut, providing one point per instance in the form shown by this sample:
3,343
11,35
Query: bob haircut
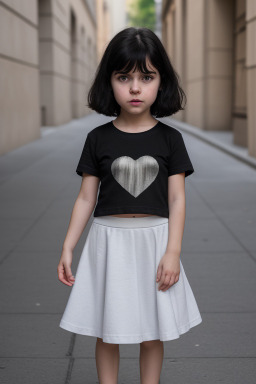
129,49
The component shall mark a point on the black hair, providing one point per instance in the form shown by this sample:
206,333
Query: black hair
129,49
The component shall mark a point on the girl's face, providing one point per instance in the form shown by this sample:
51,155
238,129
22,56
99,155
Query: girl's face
136,85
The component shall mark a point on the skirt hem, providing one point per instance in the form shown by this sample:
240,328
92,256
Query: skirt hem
134,339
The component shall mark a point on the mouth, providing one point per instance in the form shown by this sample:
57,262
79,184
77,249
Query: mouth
135,101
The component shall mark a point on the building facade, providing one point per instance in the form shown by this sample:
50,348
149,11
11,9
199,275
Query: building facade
49,53
112,17
48,56
211,45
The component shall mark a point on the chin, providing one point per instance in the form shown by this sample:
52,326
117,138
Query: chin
136,112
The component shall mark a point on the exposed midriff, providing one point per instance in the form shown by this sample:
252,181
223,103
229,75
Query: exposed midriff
132,215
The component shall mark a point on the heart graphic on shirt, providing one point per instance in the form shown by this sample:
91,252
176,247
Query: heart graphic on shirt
135,175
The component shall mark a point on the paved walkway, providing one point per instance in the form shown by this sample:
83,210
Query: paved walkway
38,187
220,139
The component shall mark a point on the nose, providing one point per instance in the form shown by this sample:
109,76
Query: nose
134,86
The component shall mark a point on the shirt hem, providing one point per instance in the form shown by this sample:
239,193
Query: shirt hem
183,168
187,168
86,169
132,209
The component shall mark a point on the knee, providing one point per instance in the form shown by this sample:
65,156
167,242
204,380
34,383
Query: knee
151,343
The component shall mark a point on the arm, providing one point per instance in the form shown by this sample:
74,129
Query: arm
177,212
82,210
169,266
81,214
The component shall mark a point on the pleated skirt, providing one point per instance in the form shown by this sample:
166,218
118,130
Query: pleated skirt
115,295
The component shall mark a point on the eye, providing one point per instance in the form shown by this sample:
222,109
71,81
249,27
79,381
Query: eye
120,77
149,77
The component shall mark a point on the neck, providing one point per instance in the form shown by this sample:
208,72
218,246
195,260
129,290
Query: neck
136,121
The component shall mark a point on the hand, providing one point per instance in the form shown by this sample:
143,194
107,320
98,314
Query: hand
64,268
168,271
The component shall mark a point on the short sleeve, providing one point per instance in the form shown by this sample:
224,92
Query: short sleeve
179,160
88,161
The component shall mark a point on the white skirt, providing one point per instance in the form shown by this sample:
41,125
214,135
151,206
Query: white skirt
115,295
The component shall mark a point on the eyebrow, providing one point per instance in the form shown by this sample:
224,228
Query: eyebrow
116,73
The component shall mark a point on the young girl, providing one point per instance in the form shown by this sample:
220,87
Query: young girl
130,285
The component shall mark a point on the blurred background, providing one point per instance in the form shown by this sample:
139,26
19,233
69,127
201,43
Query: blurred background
55,46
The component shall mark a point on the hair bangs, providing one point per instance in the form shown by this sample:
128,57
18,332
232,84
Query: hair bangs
127,60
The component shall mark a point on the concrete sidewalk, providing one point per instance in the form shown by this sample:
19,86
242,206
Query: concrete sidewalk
38,187
222,140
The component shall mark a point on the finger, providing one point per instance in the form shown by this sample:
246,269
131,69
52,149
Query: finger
166,286
159,272
169,281
172,281
63,279
62,275
165,282
71,282
177,278
68,273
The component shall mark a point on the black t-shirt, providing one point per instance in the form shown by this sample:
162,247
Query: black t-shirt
134,167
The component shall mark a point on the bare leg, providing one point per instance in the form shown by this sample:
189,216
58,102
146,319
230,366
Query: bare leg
107,362
151,360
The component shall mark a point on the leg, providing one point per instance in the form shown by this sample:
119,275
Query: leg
107,361
151,360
